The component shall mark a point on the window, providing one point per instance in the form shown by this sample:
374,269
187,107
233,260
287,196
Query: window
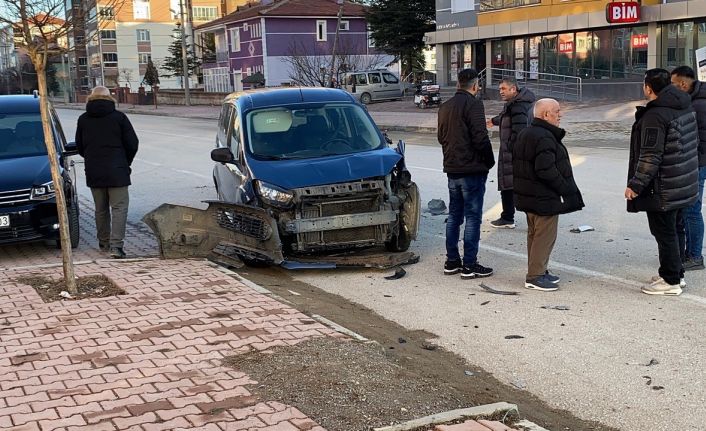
141,9
321,32
344,26
110,59
234,142
143,35
84,82
106,12
371,41
82,61
360,79
205,13
458,6
255,31
390,78
374,78
80,40
144,57
108,34
235,39
486,5
224,119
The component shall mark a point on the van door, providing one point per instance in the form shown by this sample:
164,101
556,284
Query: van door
378,90
391,83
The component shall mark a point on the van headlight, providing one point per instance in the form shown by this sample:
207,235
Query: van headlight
273,194
43,192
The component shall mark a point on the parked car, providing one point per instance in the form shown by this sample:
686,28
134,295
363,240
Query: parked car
316,163
27,197
373,85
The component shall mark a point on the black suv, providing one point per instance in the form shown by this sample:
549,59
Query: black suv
27,197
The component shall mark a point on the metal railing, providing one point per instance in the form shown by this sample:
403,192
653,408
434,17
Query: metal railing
563,87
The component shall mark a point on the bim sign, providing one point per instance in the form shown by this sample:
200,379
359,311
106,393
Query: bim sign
622,12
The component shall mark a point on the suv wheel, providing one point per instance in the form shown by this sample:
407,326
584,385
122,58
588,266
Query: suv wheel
399,241
365,98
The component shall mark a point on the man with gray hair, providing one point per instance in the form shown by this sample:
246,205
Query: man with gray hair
108,143
512,120
544,188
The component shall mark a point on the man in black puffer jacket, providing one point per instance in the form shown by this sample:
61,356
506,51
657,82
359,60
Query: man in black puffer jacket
108,143
663,175
468,156
512,120
544,188
692,242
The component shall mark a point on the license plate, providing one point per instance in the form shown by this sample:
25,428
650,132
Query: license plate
5,221
435,98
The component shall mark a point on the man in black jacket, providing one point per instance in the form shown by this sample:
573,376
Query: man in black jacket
663,174
468,156
544,188
108,143
512,120
683,78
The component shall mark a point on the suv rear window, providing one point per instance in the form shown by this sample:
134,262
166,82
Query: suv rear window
21,135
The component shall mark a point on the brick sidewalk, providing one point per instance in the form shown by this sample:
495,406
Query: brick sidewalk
148,360
139,242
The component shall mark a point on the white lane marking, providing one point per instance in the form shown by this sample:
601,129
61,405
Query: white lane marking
583,271
171,134
148,162
426,169
181,171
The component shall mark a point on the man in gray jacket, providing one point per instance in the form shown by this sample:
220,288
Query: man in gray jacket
512,119
683,78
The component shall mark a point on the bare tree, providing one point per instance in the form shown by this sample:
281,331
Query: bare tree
39,30
126,75
313,68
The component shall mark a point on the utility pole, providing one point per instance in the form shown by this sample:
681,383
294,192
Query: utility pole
63,78
184,59
335,39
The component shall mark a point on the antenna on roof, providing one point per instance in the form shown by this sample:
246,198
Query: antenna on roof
35,93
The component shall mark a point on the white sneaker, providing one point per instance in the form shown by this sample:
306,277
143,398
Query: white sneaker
656,278
660,287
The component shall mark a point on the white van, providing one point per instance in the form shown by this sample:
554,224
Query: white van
372,85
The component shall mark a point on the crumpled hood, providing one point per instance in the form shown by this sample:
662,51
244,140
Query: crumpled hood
100,106
23,173
293,174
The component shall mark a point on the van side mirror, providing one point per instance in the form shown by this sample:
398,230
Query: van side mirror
222,155
70,149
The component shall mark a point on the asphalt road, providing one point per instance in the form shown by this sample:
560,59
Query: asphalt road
591,359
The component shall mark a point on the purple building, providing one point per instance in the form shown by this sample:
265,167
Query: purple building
288,42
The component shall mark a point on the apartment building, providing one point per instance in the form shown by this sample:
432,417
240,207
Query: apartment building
608,44
113,40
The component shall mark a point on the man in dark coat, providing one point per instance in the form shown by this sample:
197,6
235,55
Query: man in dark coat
544,188
683,78
468,156
663,172
108,143
512,120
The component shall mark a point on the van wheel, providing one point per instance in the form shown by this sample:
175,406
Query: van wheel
365,98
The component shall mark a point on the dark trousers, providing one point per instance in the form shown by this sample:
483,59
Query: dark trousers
111,214
663,226
541,237
507,197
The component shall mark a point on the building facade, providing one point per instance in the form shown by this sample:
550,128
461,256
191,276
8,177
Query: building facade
608,46
266,37
112,41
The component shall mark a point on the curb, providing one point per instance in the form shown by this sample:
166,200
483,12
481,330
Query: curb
452,415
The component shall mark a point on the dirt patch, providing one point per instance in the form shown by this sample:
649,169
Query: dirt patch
90,286
346,385
415,356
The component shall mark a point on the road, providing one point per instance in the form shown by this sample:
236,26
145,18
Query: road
591,359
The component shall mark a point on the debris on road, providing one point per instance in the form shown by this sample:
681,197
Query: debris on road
485,303
429,346
582,228
556,307
399,273
468,373
652,362
497,292
513,337
401,340
649,380
65,294
436,206
519,384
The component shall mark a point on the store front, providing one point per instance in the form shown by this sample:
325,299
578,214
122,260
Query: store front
464,55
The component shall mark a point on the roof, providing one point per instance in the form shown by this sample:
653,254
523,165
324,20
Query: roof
254,99
289,8
19,104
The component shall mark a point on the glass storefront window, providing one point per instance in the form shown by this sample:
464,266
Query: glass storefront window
503,54
679,40
548,54
601,54
566,54
584,54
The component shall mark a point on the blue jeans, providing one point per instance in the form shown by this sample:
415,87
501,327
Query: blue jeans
694,222
465,202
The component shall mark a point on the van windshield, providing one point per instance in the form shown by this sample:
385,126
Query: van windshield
309,131
21,135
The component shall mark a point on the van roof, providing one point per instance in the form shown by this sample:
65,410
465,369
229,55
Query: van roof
19,103
261,98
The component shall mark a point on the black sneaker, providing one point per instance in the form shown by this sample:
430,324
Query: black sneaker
693,263
551,277
476,271
541,283
117,253
452,267
104,246
501,223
